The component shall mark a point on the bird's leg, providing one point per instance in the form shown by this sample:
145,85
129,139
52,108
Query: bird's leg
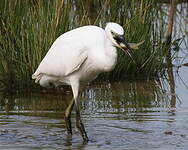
79,124
68,117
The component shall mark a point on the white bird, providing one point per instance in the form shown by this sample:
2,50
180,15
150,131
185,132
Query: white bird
77,57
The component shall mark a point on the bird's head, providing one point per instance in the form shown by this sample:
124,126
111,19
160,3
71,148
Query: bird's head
115,33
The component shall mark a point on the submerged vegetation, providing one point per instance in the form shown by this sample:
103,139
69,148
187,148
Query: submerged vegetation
29,27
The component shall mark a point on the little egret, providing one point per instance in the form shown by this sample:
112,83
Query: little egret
77,57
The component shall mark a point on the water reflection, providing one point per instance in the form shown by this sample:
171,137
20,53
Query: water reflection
124,97
105,97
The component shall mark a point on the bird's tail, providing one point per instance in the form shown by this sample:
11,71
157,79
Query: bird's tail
36,77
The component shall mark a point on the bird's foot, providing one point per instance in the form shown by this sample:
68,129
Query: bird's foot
68,125
81,128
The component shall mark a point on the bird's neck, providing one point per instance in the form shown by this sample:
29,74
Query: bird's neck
110,56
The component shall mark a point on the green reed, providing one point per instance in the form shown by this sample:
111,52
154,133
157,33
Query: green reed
29,27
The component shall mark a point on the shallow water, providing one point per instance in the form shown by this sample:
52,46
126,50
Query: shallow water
119,115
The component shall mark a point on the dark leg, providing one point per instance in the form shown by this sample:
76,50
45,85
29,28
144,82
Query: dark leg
75,89
80,125
68,117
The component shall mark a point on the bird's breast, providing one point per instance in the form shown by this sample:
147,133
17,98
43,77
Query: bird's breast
90,70
107,60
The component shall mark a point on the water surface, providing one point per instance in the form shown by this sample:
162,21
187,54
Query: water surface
119,115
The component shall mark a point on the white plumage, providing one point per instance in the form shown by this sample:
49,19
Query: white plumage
82,53
78,56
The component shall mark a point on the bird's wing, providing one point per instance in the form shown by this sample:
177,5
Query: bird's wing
62,59
79,60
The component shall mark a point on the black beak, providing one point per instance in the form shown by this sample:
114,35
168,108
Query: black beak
123,44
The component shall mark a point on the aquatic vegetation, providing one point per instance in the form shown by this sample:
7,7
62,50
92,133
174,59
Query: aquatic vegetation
29,27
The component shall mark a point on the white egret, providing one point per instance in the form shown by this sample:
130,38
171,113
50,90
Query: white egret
77,57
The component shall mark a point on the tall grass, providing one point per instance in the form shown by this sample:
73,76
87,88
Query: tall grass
29,27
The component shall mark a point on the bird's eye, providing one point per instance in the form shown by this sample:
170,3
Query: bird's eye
112,32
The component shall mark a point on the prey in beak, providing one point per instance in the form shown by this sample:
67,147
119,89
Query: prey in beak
123,44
